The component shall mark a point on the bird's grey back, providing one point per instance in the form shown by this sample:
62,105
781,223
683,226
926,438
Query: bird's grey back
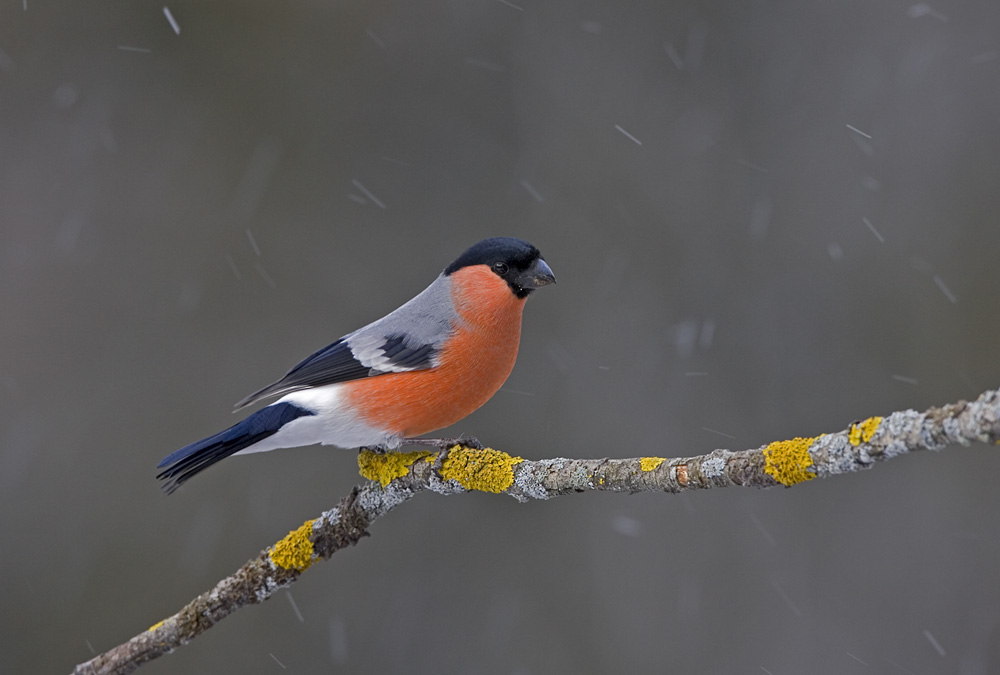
427,320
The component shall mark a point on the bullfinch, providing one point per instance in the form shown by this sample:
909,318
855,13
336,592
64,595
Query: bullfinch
420,368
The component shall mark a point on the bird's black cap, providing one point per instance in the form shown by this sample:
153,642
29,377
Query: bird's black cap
514,260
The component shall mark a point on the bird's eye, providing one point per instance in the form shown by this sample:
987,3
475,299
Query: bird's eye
501,268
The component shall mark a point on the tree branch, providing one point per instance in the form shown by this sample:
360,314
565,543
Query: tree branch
395,477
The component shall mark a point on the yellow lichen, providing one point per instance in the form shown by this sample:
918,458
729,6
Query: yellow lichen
863,431
295,551
386,466
789,462
486,470
156,625
650,463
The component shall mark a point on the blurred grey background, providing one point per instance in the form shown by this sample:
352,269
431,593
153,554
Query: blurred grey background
767,219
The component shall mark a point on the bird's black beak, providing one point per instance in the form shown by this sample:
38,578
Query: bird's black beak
536,276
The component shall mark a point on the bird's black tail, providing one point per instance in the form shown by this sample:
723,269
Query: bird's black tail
195,458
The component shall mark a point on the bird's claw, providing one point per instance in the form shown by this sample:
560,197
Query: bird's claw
444,446
438,465
469,442
446,443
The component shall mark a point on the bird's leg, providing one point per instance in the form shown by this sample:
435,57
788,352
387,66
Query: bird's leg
377,449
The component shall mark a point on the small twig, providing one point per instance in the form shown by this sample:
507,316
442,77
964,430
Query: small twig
395,477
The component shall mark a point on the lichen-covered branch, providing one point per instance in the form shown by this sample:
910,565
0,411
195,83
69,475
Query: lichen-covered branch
395,477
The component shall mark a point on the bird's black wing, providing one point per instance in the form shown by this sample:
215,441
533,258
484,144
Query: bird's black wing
408,338
351,358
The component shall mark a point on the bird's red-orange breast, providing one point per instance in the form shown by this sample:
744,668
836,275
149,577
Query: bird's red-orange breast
474,362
